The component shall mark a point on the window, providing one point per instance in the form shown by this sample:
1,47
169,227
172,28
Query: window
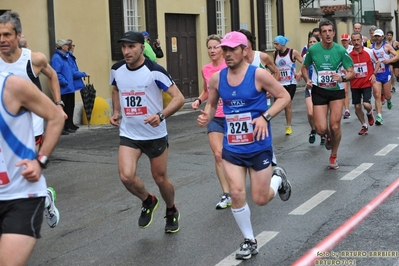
268,24
131,17
220,18
123,16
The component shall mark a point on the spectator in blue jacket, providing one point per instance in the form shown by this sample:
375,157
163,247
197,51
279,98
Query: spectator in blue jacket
61,65
77,75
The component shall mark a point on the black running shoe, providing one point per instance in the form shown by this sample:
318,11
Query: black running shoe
284,191
312,136
147,212
248,248
323,140
172,222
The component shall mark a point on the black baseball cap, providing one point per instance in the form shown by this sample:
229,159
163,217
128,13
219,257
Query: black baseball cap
132,36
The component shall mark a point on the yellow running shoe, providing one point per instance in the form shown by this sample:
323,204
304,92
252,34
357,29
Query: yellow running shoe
288,130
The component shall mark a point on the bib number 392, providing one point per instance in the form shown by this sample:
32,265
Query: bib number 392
325,80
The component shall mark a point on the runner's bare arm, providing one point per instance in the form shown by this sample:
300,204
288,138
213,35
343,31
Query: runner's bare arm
263,79
297,56
176,103
41,65
116,106
210,108
268,62
350,73
305,76
393,53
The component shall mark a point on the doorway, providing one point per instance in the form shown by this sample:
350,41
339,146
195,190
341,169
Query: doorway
181,49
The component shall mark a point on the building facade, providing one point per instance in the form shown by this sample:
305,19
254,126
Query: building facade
181,26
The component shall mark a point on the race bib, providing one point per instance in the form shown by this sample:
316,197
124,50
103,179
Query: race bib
285,74
325,80
4,180
382,68
134,103
360,70
239,129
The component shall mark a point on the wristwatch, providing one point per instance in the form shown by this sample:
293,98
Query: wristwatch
43,161
343,78
161,116
267,116
60,103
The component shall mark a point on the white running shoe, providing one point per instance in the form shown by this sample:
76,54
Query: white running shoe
225,201
51,212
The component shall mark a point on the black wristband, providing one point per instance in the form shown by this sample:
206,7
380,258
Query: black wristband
199,100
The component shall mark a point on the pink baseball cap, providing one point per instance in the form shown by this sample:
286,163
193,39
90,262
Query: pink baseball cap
234,39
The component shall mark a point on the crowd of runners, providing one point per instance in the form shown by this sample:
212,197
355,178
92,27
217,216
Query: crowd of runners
243,90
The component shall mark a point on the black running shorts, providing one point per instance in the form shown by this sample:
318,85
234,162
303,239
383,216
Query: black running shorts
152,148
22,216
322,96
358,94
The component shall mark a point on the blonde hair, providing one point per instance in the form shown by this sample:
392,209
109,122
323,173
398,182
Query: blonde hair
215,37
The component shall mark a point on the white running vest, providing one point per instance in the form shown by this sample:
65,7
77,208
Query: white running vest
16,143
23,68
256,62
286,67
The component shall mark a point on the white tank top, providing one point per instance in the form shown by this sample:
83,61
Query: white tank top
256,62
16,143
286,67
23,68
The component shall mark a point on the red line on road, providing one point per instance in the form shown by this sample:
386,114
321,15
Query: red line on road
341,232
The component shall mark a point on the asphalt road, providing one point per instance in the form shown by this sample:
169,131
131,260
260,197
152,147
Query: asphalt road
99,218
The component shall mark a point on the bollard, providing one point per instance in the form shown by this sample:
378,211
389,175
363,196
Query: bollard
100,115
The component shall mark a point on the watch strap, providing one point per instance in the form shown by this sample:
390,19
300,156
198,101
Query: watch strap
43,161
60,103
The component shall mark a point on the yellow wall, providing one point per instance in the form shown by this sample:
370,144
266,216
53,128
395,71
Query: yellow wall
292,25
37,39
87,24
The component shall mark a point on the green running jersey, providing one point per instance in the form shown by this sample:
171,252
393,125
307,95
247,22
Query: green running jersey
325,63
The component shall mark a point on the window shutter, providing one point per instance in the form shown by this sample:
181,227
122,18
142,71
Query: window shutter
116,27
260,7
151,19
211,16
235,14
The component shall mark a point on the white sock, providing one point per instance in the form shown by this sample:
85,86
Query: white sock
243,220
275,183
365,125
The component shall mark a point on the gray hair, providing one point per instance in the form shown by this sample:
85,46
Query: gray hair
13,18
372,28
